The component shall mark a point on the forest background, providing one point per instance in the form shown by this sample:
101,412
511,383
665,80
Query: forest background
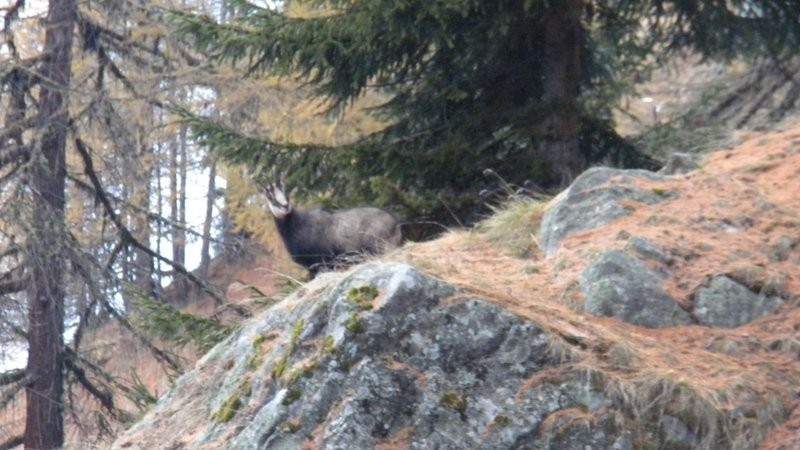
436,110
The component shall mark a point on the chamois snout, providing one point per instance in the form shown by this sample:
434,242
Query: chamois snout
317,239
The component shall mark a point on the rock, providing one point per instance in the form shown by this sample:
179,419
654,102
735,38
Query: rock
620,286
676,433
592,201
387,357
569,430
377,358
647,250
726,303
781,248
679,163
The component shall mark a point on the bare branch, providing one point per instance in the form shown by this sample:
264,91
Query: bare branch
125,233
81,265
10,393
15,441
11,376
161,355
84,320
103,396
11,14
22,334
151,216
12,286
13,154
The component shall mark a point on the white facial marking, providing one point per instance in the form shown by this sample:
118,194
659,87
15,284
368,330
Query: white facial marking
279,205
280,197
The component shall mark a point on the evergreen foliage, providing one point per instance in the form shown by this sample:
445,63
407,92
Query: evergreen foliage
464,82
166,322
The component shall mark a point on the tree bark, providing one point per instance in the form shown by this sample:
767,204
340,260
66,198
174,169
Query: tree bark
177,186
211,197
141,171
559,146
180,232
44,424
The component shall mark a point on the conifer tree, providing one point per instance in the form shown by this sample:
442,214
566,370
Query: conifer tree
525,88
45,249
78,138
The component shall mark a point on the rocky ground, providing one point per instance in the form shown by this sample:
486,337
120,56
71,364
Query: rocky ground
632,310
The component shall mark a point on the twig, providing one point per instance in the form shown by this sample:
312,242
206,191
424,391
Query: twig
125,233
15,441
11,376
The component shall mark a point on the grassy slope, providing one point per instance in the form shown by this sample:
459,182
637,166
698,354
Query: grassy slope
728,215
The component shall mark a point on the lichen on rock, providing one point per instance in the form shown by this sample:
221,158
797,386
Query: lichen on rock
618,285
726,303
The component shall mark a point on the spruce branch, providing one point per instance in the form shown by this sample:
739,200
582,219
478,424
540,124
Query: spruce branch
170,324
82,265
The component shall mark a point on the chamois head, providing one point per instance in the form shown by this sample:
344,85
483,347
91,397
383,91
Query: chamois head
277,200
318,239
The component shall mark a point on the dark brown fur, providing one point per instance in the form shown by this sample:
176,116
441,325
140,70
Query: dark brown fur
317,239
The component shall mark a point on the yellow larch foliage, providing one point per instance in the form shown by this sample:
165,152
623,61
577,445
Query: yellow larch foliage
247,208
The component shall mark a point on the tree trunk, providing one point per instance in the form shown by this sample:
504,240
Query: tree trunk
177,187
44,423
211,197
180,232
559,146
141,171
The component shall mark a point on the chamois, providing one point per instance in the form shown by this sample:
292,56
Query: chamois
317,239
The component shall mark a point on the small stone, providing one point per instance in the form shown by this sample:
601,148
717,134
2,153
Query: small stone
618,285
781,248
678,163
727,304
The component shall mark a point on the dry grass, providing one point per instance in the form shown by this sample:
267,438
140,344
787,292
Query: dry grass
732,386
515,225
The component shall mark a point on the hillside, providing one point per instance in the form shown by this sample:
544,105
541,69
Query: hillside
707,263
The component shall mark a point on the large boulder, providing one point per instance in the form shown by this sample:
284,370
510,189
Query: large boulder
595,199
387,357
378,358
